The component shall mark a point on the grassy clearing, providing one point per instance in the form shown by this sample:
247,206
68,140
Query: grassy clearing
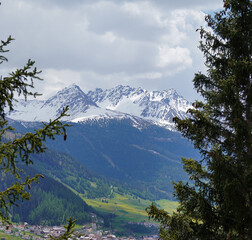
167,205
127,208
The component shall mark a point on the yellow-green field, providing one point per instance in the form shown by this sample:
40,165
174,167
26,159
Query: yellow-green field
167,205
127,208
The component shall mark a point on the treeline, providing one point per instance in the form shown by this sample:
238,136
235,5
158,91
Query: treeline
72,173
62,166
51,203
46,208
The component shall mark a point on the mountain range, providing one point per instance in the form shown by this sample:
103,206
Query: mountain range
121,102
121,139
122,133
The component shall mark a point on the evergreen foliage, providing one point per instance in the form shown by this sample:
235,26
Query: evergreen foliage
218,205
151,177
141,229
20,83
50,204
72,173
69,233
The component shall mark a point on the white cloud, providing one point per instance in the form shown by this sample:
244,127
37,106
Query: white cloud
102,43
174,57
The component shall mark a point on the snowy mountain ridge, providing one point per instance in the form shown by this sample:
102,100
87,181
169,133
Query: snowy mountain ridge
121,102
155,105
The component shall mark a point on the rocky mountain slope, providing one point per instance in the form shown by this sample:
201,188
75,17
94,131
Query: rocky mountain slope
148,158
121,133
156,105
121,102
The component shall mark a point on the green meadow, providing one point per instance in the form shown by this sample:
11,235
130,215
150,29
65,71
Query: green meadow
127,208
167,205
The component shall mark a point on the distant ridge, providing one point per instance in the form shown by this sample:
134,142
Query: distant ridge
158,107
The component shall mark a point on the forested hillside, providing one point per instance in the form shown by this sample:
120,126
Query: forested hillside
147,158
69,171
51,203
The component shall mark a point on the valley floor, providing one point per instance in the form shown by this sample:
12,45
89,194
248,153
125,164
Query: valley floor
90,231
127,208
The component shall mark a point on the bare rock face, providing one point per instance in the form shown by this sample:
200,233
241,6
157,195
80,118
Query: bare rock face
158,106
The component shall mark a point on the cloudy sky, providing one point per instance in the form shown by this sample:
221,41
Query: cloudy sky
94,43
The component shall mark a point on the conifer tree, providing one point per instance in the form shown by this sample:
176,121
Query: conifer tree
21,82
18,149
217,201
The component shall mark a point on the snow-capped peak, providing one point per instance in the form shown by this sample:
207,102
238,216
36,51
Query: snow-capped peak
71,96
154,105
118,102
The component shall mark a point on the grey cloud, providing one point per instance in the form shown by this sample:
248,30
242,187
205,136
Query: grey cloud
167,4
102,43
193,4
57,41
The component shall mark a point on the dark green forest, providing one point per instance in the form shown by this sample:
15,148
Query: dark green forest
218,203
51,203
146,161
69,171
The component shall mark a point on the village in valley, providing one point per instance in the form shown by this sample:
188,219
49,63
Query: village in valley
90,231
